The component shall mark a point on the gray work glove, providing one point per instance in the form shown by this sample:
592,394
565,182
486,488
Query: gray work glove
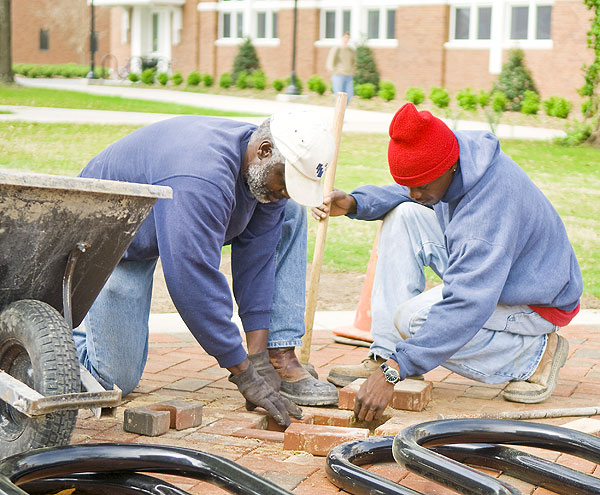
256,391
264,368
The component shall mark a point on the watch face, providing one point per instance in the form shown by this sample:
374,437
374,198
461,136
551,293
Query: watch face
391,375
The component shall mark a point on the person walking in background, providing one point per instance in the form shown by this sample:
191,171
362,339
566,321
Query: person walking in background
341,62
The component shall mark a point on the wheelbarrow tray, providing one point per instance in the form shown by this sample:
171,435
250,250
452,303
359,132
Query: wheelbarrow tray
43,218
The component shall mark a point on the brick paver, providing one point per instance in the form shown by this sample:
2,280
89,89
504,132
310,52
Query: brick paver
178,368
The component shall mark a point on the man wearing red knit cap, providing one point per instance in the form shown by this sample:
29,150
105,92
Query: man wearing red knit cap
510,276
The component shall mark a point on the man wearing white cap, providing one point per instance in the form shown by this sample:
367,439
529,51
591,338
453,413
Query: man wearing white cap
230,182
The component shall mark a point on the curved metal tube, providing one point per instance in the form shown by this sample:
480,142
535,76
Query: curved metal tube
103,484
52,462
526,467
409,447
343,471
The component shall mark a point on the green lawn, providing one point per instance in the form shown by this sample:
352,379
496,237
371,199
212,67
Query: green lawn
570,177
55,98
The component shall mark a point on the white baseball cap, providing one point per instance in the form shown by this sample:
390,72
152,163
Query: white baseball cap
308,147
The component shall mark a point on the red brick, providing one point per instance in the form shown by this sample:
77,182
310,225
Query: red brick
307,418
331,417
585,425
228,426
184,414
347,395
411,395
319,439
145,421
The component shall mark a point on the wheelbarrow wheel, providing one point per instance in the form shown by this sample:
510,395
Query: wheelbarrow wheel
37,348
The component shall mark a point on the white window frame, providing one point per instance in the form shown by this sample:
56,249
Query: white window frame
531,41
269,39
249,9
358,22
472,41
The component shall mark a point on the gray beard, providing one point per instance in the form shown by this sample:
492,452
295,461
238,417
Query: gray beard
257,182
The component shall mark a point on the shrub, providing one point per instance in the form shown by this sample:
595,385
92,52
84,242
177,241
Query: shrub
258,79
499,101
163,78
439,97
208,80
483,98
531,103
387,90
148,76
415,95
278,84
133,76
366,69
316,84
299,85
225,81
177,78
467,99
366,90
246,60
577,133
242,80
514,80
587,108
193,78
555,106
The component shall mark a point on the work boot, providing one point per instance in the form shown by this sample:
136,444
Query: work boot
297,384
345,375
539,386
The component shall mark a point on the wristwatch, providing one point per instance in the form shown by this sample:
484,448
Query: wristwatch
391,375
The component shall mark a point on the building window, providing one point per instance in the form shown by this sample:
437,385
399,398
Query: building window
330,25
263,29
155,32
44,39
484,23
232,25
523,27
373,24
518,23
544,18
472,23
391,25
226,25
346,17
274,18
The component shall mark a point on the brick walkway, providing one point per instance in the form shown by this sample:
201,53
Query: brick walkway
179,368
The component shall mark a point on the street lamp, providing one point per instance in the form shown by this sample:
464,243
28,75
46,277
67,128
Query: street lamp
91,74
292,89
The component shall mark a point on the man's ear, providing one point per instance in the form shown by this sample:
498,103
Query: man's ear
265,149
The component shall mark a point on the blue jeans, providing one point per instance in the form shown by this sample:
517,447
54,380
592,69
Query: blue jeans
508,347
344,84
112,341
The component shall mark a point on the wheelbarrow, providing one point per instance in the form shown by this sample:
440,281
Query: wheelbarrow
60,239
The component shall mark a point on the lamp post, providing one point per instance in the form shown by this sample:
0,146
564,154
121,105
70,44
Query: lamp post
292,89
91,74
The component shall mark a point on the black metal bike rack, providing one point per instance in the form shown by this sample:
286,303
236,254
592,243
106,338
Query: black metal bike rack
28,469
470,442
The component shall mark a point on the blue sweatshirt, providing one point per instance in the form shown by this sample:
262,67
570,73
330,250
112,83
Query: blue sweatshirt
200,158
505,242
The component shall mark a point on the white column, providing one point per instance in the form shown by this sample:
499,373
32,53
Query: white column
248,20
136,33
497,36
355,25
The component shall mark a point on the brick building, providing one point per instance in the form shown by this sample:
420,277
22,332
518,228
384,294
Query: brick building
57,31
451,43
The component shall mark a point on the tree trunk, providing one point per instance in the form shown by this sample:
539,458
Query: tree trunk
594,139
6,74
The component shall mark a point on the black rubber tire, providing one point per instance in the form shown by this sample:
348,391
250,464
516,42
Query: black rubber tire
37,348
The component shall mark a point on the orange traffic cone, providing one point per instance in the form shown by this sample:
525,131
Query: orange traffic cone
360,332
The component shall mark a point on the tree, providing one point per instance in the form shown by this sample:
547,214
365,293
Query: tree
592,72
6,74
514,80
366,68
245,60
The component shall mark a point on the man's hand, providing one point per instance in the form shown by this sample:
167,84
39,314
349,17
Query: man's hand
336,203
265,369
374,395
259,393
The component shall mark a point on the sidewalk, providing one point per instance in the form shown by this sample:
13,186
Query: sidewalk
354,120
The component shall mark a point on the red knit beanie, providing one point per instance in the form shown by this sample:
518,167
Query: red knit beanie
421,147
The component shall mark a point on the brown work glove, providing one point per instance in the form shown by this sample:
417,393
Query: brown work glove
264,368
260,394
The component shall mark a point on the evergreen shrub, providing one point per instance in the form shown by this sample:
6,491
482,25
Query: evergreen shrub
177,78
366,91
514,80
258,79
555,106
467,99
439,97
415,95
387,90
225,81
316,84
148,76
366,68
531,103
278,84
246,60
208,80
194,78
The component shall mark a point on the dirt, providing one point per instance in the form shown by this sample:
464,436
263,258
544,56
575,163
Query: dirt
338,291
